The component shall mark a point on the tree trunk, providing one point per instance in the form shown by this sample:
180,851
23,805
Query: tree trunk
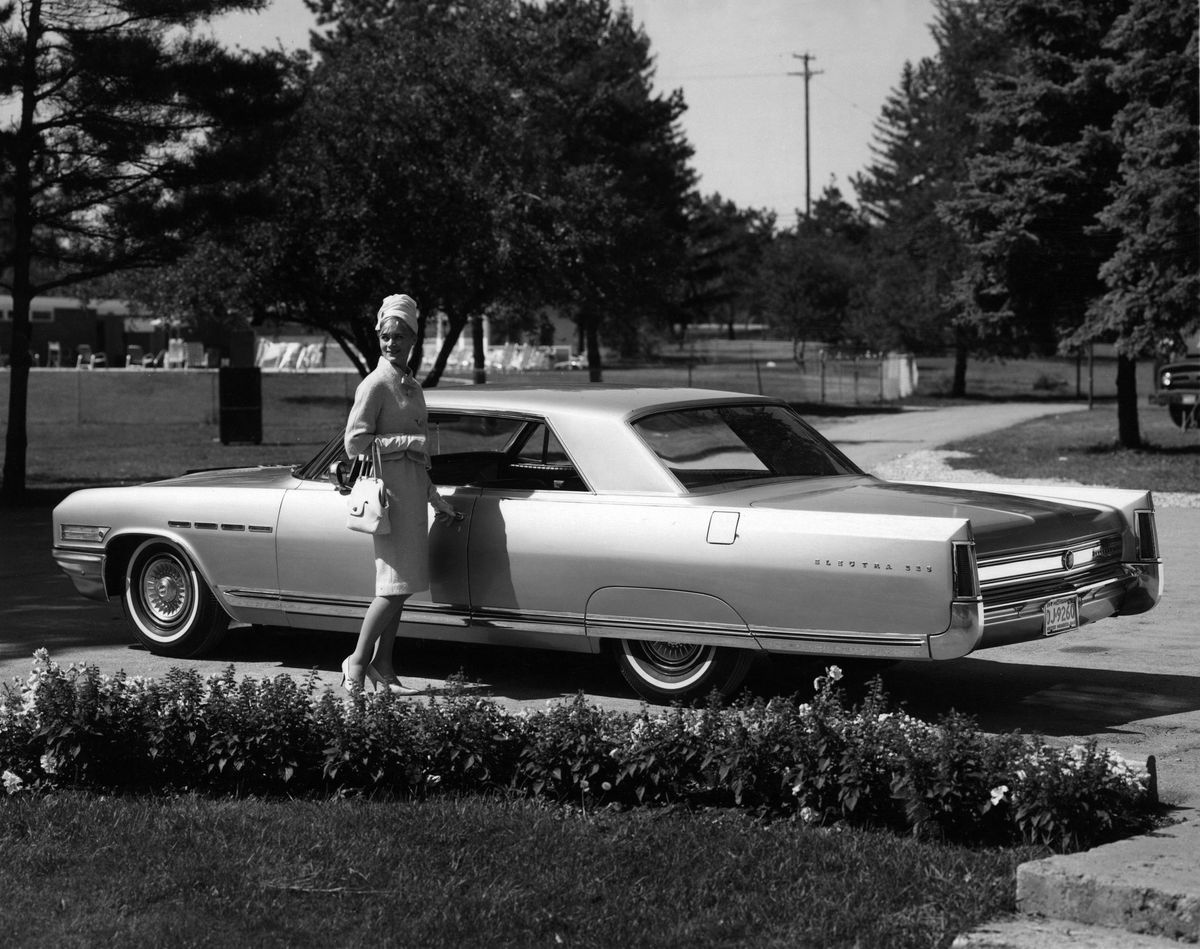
478,349
453,332
592,335
16,440
1129,433
958,387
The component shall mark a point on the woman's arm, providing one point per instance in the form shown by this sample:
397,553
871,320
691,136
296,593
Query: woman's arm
400,444
442,508
363,417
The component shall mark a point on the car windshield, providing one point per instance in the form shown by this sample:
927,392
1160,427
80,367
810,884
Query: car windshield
716,445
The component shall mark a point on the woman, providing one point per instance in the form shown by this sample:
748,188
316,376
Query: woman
390,409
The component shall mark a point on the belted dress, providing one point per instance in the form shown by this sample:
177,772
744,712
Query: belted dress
390,407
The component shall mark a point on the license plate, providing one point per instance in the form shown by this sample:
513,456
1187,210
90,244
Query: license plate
1060,615
1188,400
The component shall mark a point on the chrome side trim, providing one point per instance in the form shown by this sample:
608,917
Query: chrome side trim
602,626
345,607
837,637
541,621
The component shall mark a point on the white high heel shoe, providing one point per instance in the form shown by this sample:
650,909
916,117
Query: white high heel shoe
395,686
347,683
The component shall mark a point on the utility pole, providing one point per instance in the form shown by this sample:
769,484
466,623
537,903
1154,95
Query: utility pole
808,73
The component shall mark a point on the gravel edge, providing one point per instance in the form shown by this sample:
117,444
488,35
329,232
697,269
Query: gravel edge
931,465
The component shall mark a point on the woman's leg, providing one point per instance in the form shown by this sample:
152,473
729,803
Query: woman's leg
382,660
380,623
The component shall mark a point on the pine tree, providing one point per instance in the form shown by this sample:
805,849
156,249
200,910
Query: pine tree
127,126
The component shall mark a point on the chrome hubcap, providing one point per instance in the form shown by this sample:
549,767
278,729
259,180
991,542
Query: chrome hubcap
674,658
165,590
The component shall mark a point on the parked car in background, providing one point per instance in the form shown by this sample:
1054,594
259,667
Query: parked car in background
1177,386
682,532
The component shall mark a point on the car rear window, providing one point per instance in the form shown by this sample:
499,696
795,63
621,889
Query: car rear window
716,445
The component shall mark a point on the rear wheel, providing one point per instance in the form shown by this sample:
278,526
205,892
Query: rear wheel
670,672
171,609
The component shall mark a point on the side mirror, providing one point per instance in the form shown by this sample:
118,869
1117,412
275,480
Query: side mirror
339,474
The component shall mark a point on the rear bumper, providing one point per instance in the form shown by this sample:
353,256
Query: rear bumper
1135,589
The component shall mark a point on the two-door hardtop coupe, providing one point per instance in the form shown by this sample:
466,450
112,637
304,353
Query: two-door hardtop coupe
682,531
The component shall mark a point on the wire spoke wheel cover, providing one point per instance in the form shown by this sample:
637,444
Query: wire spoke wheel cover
669,671
170,606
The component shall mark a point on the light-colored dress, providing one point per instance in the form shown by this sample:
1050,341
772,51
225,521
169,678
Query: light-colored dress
389,406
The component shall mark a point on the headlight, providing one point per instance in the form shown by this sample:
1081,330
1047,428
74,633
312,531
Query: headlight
1165,380
84,532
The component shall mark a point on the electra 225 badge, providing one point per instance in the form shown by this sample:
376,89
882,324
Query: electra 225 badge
913,569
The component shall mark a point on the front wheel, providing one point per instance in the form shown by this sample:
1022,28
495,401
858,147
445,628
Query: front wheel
171,608
665,672
1185,416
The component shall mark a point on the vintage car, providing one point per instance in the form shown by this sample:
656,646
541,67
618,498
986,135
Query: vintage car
1177,386
684,532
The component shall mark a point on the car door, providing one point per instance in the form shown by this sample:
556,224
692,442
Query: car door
326,572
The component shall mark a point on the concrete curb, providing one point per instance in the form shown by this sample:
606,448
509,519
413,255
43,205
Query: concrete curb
1054,934
1148,885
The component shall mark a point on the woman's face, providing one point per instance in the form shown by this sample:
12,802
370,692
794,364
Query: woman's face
396,342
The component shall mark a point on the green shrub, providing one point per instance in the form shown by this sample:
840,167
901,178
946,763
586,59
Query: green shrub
820,762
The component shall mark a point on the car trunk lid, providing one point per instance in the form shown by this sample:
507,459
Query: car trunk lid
1000,522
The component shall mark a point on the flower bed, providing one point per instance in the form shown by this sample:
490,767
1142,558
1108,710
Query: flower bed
821,761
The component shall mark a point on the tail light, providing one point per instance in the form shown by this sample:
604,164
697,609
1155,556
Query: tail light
966,574
1147,535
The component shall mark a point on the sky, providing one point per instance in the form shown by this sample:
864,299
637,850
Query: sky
734,61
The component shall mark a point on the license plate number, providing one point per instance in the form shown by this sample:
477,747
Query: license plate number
1060,615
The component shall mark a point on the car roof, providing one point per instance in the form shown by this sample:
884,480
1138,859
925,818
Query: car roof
591,421
584,398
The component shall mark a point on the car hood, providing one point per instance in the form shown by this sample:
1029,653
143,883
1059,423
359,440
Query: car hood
1000,522
272,477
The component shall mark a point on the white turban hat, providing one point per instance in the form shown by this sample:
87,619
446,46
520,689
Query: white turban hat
398,306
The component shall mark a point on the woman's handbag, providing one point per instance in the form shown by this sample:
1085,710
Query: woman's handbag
367,503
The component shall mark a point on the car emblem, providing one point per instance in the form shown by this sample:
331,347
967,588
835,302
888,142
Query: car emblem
1068,560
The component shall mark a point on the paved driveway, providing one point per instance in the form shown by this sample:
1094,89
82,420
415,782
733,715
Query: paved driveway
1132,682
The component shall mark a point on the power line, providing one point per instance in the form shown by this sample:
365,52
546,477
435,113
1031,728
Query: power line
808,73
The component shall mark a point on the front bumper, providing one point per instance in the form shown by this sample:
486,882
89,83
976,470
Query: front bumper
1174,398
86,570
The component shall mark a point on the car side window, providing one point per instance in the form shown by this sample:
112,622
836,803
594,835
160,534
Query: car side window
541,464
450,434
468,450
542,447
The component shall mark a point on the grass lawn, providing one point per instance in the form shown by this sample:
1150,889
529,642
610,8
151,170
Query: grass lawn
83,870
1081,446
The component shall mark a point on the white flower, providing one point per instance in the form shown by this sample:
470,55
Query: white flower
998,794
834,673
808,815
12,782
49,764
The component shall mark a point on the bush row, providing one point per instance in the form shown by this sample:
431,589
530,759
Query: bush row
822,762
